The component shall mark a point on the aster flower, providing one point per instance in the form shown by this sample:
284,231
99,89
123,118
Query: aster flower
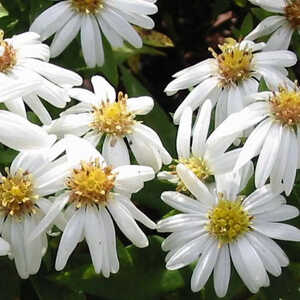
222,226
20,134
231,75
203,159
97,193
25,59
100,115
281,27
91,18
275,139
23,204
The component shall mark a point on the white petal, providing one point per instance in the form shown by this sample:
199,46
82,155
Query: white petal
115,151
70,238
270,5
103,90
194,185
222,272
205,265
184,134
64,37
127,224
140,105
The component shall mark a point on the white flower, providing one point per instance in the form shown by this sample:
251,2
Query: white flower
25,59
231,75
221,226
281,26
20,134
110,17
23,204
100,115
95,194
203,158
276,138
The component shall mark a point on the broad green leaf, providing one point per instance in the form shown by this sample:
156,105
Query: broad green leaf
247,25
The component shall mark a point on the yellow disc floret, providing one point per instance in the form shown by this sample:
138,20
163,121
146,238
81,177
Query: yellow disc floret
228,220
8,57
234,62
286,106
197,165
17,196
87,6
292,13
113,118
90,184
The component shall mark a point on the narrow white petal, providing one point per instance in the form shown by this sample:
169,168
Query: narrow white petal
281,38
184,134
70,238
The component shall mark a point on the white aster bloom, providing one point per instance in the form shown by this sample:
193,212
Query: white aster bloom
23,204
20,134
231,75
26,75
92,18
276,138
222,226
99,114
281,27
97,194
202,158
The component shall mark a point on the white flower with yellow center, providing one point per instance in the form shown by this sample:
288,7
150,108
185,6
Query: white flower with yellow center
100,115
276,138
97,193
25,58
222,226
229,76
23,204
92,18
203,159
281,27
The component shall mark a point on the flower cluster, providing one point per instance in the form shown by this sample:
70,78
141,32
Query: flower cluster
79,171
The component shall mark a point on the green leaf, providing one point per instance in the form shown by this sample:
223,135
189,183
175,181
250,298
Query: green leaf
241,3
142,276
3,11
247,25
47,290
260,13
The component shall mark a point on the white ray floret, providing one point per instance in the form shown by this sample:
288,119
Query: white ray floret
101,114
280,26
194,151
275,139
218,227
96,195
23,204
230,76
26,76
112,18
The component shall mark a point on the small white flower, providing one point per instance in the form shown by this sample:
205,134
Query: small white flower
203,158
110,17
26,75
20,134
97,193
281,27
231,75
221,226
276,138
100,115
23,204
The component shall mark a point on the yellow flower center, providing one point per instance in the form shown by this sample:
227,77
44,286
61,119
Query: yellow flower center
87,6
113,118
234,63
17,197
228,220
198,166
8,57
292,13
286,106
91,184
